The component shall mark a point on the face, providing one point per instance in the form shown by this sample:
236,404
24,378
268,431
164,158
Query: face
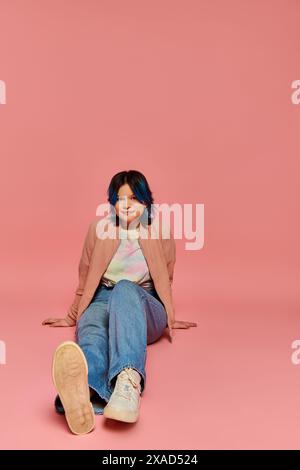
128,207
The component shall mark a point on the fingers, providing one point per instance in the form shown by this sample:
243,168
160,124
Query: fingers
184,324
48,320
56,323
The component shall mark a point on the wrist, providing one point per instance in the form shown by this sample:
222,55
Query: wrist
70,321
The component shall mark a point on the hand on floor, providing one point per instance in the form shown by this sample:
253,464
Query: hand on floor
57,322
178,324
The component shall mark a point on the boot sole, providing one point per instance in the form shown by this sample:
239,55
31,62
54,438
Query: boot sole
69,375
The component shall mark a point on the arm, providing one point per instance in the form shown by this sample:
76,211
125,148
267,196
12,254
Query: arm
169,249
83,268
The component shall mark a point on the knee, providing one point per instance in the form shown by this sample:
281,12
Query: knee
81,325
124,291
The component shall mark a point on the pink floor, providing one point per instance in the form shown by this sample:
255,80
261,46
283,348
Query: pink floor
229,383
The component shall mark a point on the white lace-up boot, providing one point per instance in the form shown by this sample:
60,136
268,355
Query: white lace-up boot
125,401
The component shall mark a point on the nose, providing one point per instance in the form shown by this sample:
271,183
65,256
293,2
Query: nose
126,203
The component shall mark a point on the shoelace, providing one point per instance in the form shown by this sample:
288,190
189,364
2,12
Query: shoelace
122,381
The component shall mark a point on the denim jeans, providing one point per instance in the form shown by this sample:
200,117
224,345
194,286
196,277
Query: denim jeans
113,333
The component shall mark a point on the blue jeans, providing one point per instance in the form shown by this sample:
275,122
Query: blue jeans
113,333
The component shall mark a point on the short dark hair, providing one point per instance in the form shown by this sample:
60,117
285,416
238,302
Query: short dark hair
139,186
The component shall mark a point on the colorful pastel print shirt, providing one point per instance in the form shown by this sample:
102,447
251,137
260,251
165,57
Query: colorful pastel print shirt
128,262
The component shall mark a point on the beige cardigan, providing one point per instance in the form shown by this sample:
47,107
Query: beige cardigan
160,255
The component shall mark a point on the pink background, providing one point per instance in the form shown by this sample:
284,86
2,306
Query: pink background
197,96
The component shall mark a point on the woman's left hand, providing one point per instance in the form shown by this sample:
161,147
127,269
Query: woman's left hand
178,324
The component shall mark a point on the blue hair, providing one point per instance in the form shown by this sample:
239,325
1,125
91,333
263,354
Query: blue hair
140,188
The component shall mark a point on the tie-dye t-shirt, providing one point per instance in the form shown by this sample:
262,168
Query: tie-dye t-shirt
128,262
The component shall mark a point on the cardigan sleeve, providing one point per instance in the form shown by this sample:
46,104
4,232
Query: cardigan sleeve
169,249
83,268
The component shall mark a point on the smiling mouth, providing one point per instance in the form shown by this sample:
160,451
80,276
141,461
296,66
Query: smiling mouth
130,212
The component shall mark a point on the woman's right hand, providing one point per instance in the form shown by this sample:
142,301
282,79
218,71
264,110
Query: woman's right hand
57,322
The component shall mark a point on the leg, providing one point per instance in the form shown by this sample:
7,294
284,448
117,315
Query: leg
136,318
69,374
92,337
